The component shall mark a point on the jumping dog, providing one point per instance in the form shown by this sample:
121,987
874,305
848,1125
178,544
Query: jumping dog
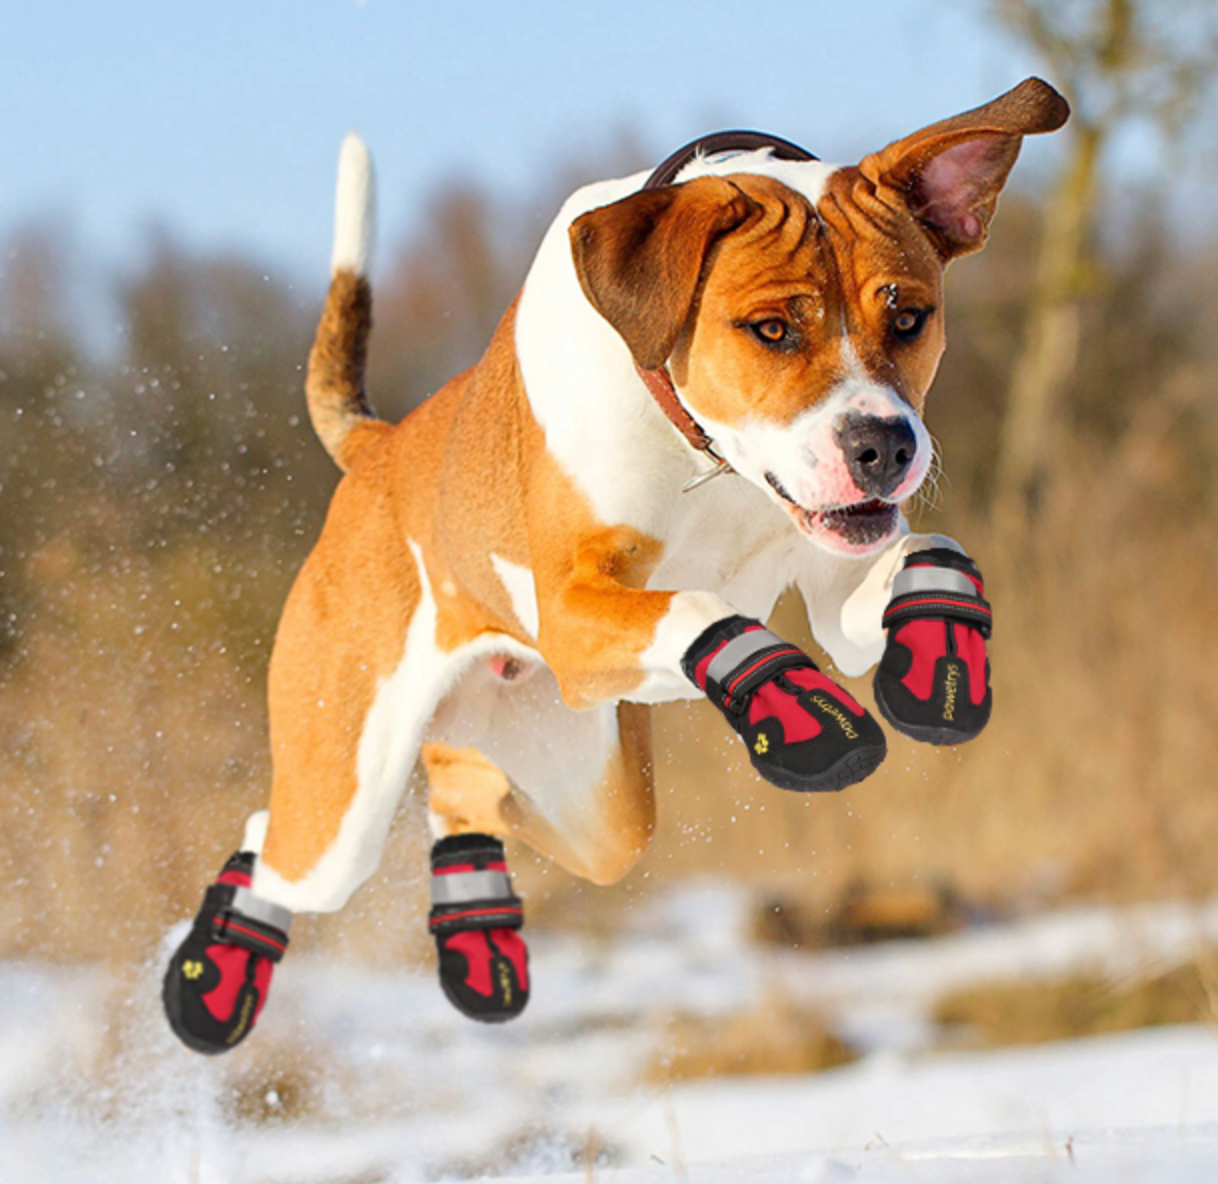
511,574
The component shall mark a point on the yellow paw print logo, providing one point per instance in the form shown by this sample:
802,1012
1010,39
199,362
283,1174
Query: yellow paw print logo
761,745
192,970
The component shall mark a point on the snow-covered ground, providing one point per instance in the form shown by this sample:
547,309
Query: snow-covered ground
360,1077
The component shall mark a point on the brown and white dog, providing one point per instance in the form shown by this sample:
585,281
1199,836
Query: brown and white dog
511,574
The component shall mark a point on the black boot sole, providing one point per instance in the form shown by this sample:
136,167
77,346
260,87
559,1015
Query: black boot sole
857,765
940,737
481,1017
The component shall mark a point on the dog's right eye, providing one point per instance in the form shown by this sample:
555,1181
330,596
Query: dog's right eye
909,323
772,331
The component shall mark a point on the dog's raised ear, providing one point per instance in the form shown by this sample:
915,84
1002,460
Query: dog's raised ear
950,173
639,260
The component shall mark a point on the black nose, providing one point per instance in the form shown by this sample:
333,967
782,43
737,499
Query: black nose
878,451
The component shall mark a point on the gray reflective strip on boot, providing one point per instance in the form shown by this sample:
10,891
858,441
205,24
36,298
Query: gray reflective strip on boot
257,909
738,651
464,887
933,579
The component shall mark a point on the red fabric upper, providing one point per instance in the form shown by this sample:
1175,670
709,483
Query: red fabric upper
770,701
927,641
477,951
232,961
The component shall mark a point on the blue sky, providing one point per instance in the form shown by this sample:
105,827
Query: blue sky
222,121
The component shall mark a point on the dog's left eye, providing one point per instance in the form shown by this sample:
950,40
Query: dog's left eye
909,322
772,331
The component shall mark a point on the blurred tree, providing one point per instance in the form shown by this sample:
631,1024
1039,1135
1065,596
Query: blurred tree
443,295
219,461
1119,62
43,376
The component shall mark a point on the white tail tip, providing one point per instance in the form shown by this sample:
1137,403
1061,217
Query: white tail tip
355,208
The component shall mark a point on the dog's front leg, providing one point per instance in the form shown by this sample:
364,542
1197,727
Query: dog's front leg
606,636
918,609
846,598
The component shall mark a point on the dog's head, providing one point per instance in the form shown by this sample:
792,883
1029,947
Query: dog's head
799,307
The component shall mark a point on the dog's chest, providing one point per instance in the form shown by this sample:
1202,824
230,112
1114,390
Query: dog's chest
726,538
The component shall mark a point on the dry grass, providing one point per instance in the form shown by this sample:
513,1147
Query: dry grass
1022,1012
773,1037
865,914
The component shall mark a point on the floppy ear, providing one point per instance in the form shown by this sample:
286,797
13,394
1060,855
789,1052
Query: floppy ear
639,260
950,174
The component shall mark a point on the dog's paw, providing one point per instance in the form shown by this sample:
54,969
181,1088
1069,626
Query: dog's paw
932,683
485,973
476,919
217,980
803,732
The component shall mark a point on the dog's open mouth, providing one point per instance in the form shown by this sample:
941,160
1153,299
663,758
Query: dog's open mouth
859,525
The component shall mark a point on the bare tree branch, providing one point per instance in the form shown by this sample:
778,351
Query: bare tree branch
1119,61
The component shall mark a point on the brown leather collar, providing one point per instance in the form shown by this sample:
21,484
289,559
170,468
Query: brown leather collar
659,382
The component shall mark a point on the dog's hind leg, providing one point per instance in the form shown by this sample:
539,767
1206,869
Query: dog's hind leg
595,822
476,916
355,677
466,793
470,794
575,786
347,723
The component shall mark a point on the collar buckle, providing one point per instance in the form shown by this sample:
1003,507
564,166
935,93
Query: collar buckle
721,467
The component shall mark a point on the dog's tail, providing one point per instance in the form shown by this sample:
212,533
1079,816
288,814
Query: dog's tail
338,404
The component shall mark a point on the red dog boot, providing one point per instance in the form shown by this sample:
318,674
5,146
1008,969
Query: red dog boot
803,732
476,918
218,979
933,681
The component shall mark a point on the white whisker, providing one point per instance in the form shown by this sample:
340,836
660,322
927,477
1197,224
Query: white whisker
930,492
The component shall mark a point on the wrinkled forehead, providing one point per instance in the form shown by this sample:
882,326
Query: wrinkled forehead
780,252
853,235
877,242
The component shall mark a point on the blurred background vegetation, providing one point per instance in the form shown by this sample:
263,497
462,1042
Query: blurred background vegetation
156,502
